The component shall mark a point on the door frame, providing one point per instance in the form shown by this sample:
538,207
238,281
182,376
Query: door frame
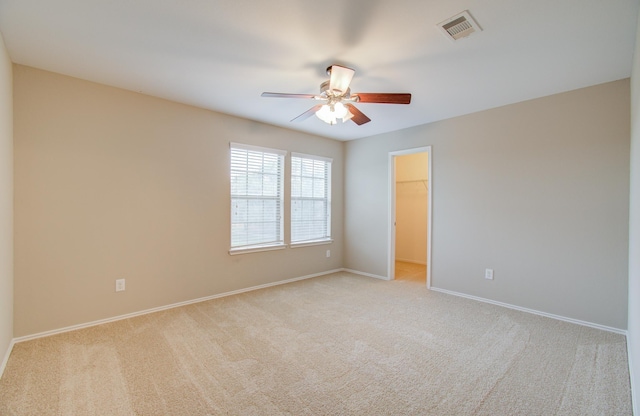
392,208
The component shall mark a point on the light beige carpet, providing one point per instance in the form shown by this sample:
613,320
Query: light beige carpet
334,345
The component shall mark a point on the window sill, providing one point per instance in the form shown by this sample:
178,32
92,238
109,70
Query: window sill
256,249
311,243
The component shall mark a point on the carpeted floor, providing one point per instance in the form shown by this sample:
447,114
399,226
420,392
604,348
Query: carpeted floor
333,345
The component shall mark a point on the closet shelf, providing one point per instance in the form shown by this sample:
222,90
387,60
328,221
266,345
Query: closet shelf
425,182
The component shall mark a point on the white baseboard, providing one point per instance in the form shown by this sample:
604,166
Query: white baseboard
422,263
533,311
282,282
5,360
164,308
507,305
634,388
375,276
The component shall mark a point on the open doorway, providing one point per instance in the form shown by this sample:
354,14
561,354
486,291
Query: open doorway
410,215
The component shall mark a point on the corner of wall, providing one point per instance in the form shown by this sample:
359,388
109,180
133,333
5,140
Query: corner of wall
5,360
633,325
6,205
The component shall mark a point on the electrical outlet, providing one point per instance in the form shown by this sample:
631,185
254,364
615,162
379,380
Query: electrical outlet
488,274
120,285
328,253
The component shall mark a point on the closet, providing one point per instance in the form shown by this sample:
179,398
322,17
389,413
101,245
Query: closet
411,211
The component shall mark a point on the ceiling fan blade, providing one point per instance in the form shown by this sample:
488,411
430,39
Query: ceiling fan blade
341,77
382,98
358,116
308,113
281,95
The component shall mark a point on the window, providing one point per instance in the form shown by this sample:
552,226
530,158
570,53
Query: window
256,198
310,199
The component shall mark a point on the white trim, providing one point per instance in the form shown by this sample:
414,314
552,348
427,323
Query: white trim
255,249
391,253
253,148
391,221
314,157
429,215
375,276
5,360
509,306
532,311
311,243
166,307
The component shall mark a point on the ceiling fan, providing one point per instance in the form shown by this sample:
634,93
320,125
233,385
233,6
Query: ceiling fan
339,99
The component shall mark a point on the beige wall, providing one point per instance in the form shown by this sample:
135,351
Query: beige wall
634,232
412,167
411,207
6,202
112,184
537,191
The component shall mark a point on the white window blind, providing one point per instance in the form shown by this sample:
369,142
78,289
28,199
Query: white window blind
310,198
256,196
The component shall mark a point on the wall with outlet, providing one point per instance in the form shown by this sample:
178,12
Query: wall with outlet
111,184
538,191
6,203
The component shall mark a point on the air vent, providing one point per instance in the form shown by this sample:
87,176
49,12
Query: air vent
459,26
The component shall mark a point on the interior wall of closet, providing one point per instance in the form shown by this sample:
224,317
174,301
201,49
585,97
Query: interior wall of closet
412,184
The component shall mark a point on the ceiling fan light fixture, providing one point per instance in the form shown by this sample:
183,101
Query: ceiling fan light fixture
348,117
340,110
336,93
329,113
325,114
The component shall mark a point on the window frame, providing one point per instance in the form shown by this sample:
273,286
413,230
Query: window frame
327,199
279,242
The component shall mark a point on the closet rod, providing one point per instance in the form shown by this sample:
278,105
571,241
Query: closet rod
425,182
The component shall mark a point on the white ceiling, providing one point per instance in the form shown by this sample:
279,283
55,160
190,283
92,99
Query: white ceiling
221,54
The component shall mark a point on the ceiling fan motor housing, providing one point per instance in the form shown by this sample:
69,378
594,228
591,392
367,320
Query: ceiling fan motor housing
325,91
337,92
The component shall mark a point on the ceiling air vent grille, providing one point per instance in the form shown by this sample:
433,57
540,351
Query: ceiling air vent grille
459,26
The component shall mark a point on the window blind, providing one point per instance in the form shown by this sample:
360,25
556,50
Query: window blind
310,198
256,196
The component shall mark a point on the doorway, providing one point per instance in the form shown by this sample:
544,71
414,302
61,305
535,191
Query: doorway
410,201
